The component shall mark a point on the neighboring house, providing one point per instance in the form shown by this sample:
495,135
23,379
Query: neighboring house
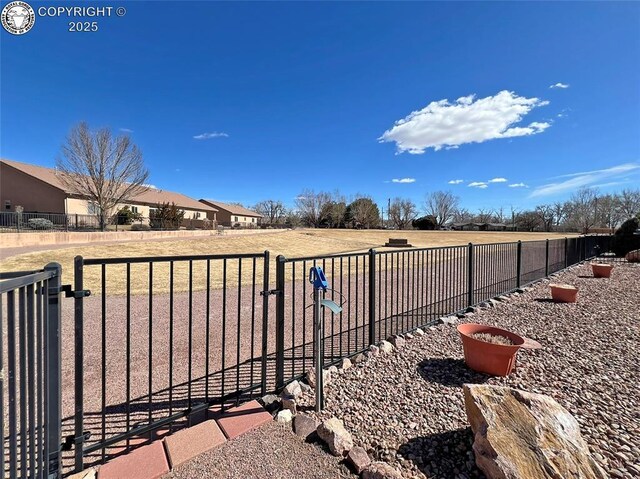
39,190
234,215
479,226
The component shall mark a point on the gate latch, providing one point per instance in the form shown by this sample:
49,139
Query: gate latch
69,293
269,292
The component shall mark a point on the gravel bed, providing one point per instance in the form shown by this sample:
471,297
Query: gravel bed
407,408
270,452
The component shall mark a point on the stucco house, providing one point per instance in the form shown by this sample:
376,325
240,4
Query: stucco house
39,190
233,215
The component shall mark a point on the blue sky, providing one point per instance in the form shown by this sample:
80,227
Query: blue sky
248,101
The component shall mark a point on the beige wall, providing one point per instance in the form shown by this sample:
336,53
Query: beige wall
20,189
227,219
77,206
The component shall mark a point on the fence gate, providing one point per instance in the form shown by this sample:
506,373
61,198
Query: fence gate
161,341
30,373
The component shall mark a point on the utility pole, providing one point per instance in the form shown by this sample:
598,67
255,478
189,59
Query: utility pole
388,211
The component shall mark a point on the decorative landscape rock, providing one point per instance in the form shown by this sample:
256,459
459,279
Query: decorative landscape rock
338,439
408,336
374,350
633,256
289,402
311,377
332,370
358,358
292,389
380,470
385,347
284,416
271,403
345,363
358,458
522,435
397,341
418,332
304,426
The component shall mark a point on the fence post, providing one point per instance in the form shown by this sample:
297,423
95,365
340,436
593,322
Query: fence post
53,394
519,264
566,251
78,272
18,220
265,321
372,296
76,221
280,262
546,256
470,275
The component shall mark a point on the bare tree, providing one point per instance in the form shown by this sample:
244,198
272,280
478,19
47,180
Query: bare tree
609,211
546,216
559,213
105,169
402,212
273,211
442,205
629,203
528,220
582,209
310,205
484,215
499,215
462,215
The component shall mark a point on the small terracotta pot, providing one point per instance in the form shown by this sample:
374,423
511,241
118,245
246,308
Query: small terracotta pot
601,270
564,293
489,358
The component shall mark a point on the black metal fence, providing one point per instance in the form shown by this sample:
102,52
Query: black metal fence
30,378
162,341
11,222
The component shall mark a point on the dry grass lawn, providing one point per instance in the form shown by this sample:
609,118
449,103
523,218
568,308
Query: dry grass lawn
305,242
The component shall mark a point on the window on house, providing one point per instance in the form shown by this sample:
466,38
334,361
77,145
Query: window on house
253,220
235,219
134,209
92,208
197,215
7,205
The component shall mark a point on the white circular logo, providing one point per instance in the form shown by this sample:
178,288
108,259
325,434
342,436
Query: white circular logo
18,17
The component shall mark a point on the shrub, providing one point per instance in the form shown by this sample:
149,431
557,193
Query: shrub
125,216
39,224
140,227
425,223
625,239
166,217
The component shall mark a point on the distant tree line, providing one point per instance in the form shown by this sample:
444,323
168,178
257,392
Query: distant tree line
585,210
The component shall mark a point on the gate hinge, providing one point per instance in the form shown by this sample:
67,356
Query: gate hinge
71,441
70,293
269,292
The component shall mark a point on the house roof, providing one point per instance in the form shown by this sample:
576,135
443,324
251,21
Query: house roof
233,209
152,196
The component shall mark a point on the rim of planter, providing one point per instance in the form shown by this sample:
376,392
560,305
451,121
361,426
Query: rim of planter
475,328
563,286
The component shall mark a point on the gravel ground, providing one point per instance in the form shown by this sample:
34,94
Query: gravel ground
407,408
270,452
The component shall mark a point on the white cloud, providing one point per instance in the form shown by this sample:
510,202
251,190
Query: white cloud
478,184
498,180
208,136
455,182
403,180
442,124
559,85
126,130
585,178
518,185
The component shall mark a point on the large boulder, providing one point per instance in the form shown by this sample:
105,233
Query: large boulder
521,435
338,439
633,256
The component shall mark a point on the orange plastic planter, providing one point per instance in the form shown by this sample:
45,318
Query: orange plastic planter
564,293
601,270
489,358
